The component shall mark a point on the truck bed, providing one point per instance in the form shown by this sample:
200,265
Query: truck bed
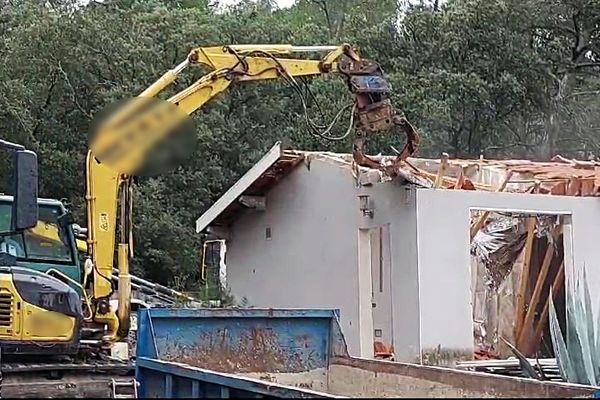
224,353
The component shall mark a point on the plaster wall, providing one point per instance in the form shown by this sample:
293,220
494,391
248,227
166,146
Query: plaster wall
444,263
302,251
319,252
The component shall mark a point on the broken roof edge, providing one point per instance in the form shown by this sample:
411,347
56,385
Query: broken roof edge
238,188
275,164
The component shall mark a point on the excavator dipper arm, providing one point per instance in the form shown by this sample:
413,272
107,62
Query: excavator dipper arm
109,188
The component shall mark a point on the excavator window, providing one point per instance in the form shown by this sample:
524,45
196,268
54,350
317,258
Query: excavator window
41,243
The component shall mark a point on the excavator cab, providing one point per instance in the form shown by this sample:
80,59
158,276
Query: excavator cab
39,314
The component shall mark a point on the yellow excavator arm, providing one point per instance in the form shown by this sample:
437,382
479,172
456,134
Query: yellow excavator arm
109,188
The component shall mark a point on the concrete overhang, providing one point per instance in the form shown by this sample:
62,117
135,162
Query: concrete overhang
263,175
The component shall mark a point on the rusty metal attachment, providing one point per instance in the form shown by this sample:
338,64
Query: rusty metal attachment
374,113
410,146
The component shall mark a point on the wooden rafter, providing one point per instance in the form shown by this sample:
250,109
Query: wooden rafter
520,309
537,291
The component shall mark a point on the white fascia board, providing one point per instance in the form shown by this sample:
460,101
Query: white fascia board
239,187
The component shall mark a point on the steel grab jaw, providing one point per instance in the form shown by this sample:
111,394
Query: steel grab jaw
374,112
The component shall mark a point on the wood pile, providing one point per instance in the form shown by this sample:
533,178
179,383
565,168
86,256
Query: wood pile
546,367
560,176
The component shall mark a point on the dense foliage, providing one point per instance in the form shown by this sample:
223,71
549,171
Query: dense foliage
502,78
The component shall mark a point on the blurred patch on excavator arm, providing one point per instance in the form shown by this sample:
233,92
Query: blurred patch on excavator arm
141,136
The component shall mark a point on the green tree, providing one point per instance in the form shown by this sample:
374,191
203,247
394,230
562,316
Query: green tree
503,78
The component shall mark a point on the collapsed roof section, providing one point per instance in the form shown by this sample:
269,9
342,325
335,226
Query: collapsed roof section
560,176
275,165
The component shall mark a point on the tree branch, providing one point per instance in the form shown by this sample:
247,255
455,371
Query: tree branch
585,93
586,65
578,38
53,80
323,6
510,146
73,92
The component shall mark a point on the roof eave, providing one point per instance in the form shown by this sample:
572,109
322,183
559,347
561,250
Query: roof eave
239,187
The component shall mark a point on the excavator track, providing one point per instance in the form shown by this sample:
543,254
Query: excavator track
99,366
64,379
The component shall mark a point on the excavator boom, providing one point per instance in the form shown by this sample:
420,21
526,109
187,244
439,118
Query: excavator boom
109,183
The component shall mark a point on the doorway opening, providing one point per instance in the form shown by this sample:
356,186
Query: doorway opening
518,261
374,247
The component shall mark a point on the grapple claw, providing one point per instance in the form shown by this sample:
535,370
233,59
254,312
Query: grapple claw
412,138
374,112
410,147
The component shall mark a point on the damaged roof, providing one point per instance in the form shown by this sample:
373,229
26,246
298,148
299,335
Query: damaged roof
560,176
256,182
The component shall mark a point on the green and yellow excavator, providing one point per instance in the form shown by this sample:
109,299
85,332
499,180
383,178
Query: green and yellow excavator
33,304
51,302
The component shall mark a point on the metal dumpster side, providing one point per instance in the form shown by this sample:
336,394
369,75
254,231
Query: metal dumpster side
294,353
236,352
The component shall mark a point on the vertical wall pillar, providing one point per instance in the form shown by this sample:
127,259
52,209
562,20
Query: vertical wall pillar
365,308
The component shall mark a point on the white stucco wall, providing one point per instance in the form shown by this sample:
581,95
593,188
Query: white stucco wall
311,259
443,259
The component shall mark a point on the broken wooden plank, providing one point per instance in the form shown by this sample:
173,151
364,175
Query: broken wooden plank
524,278
574,186
476,227
560,189
460,179
556,286
255,202
587,187
537,184
441,171
539,284
559,158
448,181
573,162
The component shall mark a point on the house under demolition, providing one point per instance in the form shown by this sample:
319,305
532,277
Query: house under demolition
437,264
